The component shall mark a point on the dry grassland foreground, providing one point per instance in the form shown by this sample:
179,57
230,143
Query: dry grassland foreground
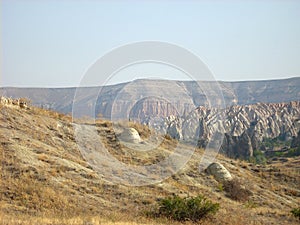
45,179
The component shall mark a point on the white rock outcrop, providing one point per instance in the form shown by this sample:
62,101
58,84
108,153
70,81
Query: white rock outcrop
130,135
17,103
220,173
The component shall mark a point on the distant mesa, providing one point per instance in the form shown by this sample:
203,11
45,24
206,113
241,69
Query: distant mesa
186,97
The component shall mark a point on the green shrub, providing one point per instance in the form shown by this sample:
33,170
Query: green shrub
184,209
278,154
250,204
296,212
275,142
293,152
258,158
220,187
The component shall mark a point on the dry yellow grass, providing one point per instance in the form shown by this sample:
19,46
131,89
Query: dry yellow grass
45,179
72,221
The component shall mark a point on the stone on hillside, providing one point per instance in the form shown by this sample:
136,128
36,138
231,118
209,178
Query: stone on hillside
220,173
130,135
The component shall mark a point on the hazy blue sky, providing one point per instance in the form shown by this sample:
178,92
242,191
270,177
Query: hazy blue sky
52,43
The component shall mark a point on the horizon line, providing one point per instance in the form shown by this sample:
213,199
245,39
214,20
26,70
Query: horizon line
151,79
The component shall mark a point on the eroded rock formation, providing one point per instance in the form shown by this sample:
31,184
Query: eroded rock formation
183,95
20,102
244,126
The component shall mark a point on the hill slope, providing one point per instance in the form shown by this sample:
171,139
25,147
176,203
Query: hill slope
44,176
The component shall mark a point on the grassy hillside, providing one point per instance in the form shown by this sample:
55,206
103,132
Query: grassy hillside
45,179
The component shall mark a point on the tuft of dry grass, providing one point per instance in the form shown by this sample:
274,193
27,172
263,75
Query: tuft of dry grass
236,191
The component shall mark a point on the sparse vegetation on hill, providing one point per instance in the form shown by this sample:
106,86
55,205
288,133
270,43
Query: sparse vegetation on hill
271,148
45,179
185,209
296,212
258,157
236,191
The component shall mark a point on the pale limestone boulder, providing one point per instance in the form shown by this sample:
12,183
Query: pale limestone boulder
220,173
130,135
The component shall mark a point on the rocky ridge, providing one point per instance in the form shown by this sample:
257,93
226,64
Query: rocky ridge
244,127
157,97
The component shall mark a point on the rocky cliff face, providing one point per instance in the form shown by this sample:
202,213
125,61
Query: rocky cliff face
146,100
185,96
244,126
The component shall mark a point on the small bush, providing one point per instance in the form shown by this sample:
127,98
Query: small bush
258,158
220,187
250,204
186,209
235,191
296,212
293,152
